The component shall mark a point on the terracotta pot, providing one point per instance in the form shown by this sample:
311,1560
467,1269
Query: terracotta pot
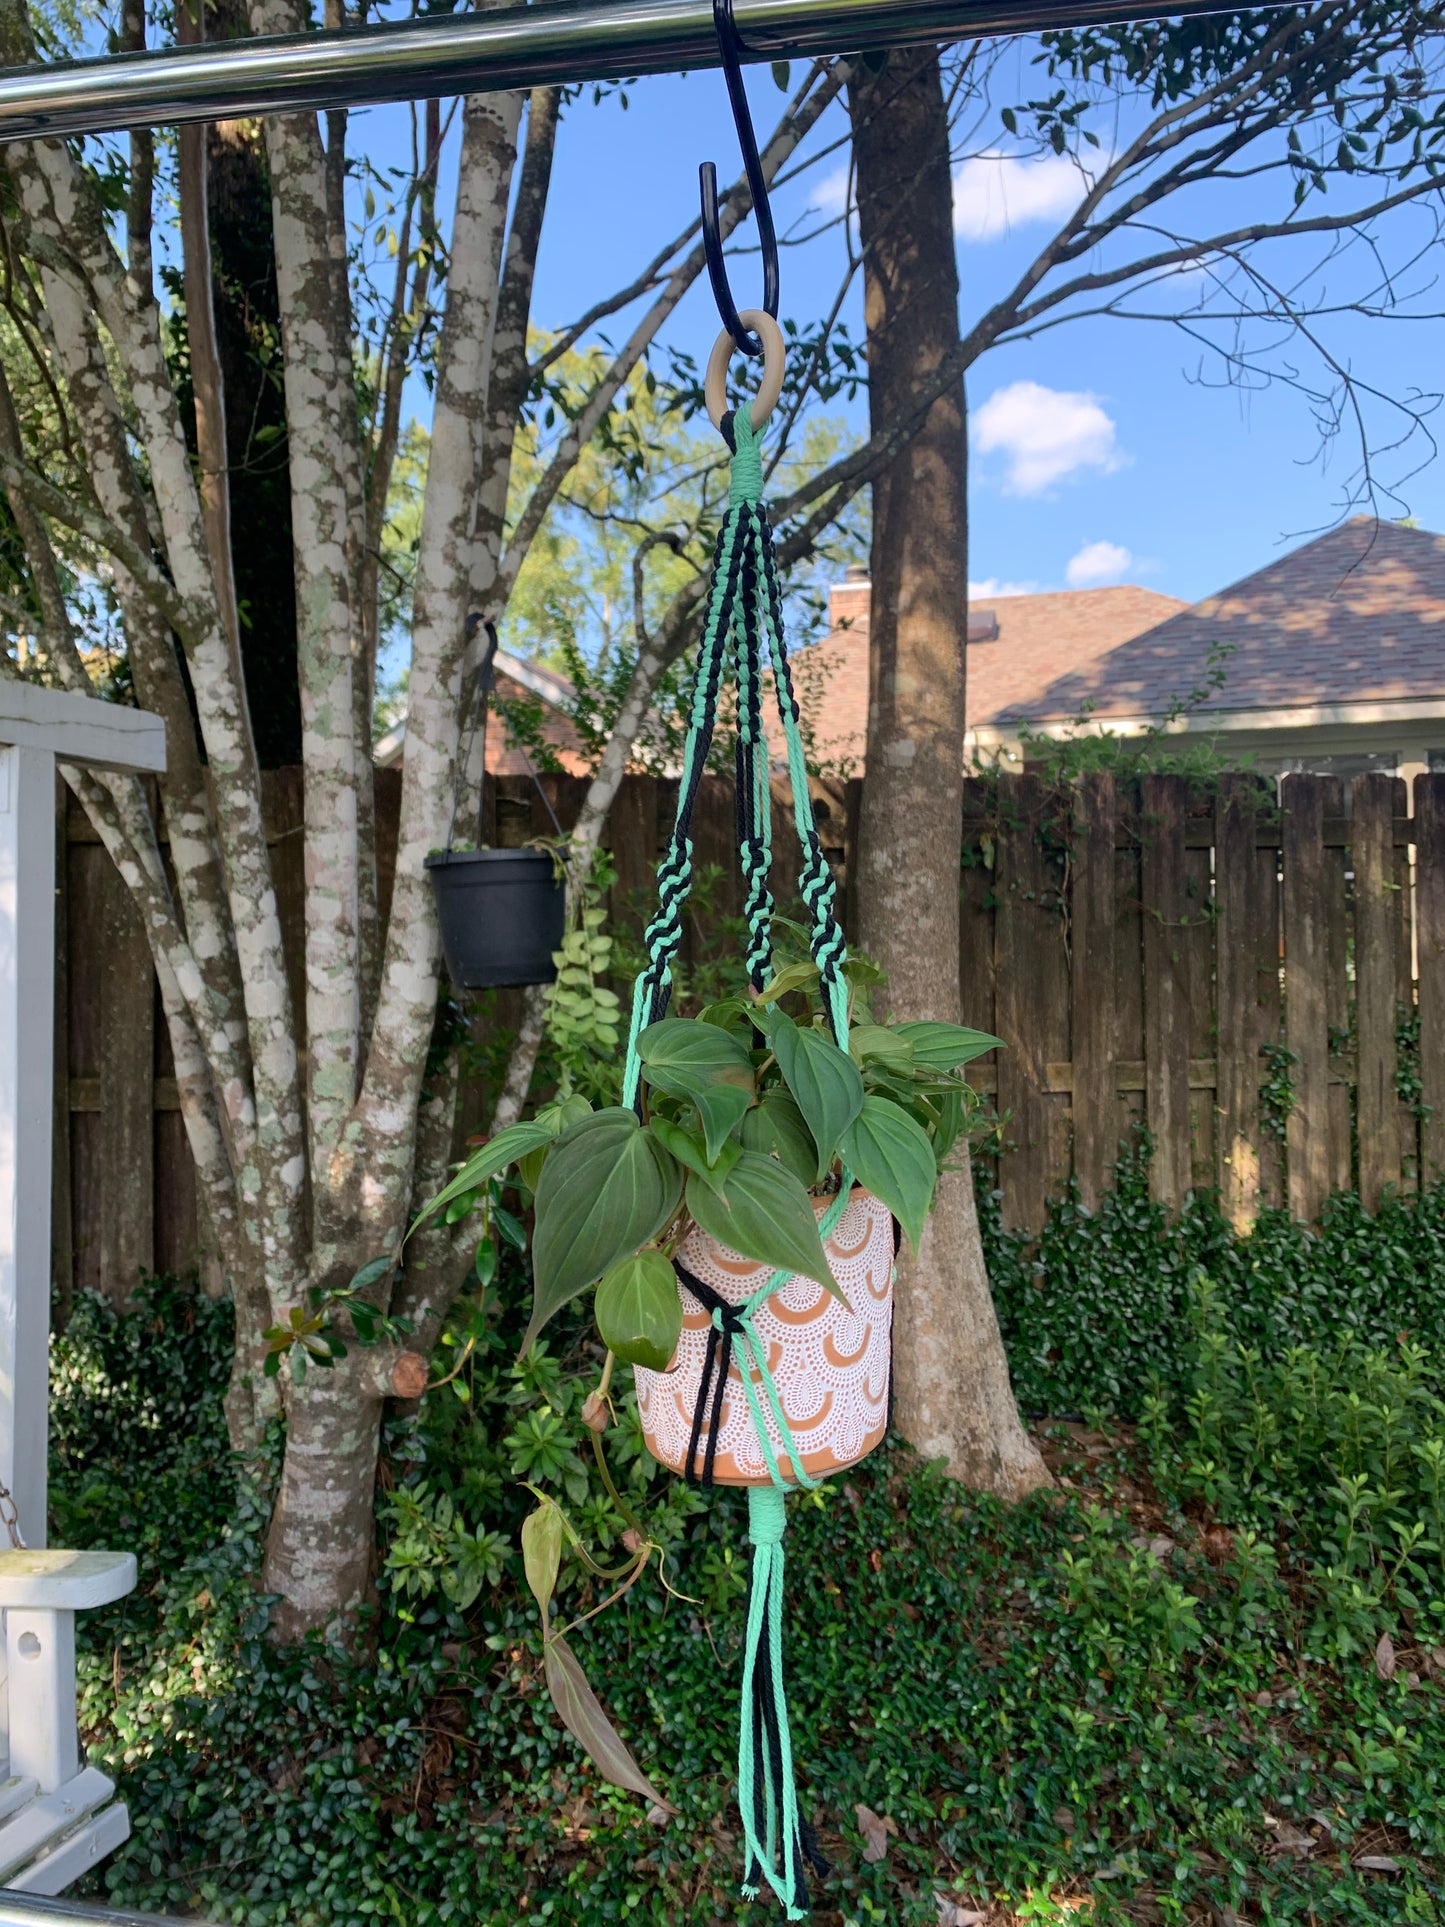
830,1364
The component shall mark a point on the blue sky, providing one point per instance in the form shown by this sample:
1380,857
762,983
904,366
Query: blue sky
1097,453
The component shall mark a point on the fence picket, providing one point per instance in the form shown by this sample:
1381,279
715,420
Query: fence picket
1093,1051
1166,986
1306,1016
1021,933
1237,1023
1129,1035
1340,1112
975,921
1268,1005
1430,946
1376,926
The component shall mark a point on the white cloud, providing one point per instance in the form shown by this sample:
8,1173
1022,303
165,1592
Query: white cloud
1096,563
993,193
1046,434
830,195
991,586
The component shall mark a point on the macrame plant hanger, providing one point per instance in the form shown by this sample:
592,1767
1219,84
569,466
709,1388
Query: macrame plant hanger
484,689
743,625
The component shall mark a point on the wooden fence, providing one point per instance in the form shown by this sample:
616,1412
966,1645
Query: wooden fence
1261,984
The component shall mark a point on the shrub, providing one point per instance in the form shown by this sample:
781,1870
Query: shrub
138,1450
1098,1306
1335,1452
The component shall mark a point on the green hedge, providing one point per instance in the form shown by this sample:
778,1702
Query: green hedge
1099,1306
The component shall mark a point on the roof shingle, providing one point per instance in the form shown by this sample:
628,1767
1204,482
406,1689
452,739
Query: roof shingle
1018,645
1356,616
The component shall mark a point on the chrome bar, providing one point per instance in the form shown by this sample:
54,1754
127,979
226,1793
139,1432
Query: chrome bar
515,46
30,1910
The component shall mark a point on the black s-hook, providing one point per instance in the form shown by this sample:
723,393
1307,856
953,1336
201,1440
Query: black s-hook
731,47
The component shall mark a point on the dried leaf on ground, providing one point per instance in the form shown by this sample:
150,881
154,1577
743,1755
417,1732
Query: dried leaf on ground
1385,1657
1378,1863
956,1913
1289,1839
875,1831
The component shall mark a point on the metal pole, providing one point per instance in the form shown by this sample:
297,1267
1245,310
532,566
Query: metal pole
30,1910
517,46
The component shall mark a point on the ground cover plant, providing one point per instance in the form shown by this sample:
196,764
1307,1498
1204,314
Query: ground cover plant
1174,1689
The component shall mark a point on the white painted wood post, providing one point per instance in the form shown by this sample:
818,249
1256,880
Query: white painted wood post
47,1797
40,1662
37,727
27,1028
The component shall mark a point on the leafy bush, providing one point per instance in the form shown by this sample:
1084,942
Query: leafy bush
1338,1453
1098,1306
1040,1708
138,1450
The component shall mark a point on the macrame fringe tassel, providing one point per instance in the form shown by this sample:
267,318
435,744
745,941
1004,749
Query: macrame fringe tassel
777,1839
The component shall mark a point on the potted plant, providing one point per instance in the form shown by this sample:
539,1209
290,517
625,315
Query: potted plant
736,1214
725,1187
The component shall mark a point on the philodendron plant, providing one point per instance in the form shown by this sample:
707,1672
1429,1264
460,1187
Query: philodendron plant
747,1109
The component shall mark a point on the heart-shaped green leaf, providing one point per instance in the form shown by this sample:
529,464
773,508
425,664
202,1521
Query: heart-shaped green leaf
943,1047
890,1155
734,1015
877,1044
680,1053
948,1107
762,1212
776,1125
639,1313
823,1079
690,1151
794,976
861,972
606,1189
498,1152
721,1108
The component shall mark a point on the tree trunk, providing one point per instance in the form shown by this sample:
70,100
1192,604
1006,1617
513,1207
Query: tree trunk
321,1546
248,339
953,1399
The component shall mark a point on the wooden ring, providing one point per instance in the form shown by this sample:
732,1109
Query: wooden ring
775,360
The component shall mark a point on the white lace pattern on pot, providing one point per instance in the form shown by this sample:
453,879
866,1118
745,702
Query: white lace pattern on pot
829,1363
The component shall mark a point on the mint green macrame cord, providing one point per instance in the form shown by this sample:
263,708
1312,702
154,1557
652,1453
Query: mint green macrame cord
736,626
767,1522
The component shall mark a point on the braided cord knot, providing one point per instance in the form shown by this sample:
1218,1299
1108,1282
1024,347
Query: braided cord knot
745,478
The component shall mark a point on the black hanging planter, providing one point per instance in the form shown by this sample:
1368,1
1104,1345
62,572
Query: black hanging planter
502,914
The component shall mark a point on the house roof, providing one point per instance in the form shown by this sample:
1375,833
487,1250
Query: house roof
1017,647
516,678
1352,619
